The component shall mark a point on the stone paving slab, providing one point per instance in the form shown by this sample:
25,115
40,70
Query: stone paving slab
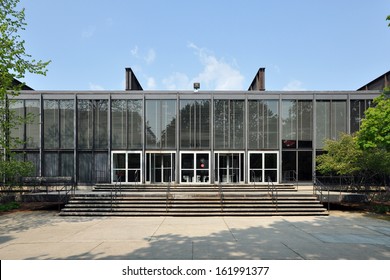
45,235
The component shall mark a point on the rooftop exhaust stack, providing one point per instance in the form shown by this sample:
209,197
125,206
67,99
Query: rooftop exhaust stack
132,81
258,83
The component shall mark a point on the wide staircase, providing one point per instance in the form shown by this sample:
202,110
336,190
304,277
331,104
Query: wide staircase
213,200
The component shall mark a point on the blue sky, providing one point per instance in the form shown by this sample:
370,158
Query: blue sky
304,45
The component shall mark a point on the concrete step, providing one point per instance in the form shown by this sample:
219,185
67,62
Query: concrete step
192,202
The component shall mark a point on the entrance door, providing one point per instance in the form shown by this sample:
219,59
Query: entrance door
160,167
195,167
126,167
230,167
263,165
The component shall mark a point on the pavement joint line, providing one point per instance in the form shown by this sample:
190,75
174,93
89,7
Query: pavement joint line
300,229
151,237
295,252
235,239
81,230
376,231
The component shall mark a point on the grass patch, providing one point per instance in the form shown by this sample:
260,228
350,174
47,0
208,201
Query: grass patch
9,206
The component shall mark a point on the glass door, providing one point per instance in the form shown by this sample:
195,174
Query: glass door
160,167
194,167
230,168
263,165
126,167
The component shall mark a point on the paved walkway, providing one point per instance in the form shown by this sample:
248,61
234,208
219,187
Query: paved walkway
45,235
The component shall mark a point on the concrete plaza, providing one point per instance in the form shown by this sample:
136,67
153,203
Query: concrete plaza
341,235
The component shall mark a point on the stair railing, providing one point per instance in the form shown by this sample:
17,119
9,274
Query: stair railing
114,190
68,193
221,196
318,190
273,192
168,195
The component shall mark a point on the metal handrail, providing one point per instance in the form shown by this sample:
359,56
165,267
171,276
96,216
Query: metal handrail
71,191
168,191
319,187
114,191
221,196
273,192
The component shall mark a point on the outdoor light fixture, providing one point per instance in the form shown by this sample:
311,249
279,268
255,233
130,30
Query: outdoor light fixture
196,86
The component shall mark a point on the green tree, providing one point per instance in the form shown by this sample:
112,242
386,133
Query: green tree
388,18
15,62
374,132
341,157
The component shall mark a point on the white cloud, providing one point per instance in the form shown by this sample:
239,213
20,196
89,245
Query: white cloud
177,81
151,83
217,74
294,85
88,32
148,58
95,87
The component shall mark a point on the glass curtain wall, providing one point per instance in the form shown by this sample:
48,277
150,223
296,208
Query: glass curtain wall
195,124
58,137
331,120
160,124
126,124
92,139
297,139
358,108
26,135
229,116
263,124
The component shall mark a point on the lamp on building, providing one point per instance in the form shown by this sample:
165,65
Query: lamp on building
196,86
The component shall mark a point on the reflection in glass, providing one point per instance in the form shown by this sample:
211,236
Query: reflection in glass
195,123
160,124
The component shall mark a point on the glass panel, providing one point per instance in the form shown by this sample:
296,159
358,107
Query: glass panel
289,165
323,122
101,124
271,174
256,161
85,167
85,124
187,176
229,124
289,124
305,124
51,164
160,124
237,124
17,133
187,161
339,118
51,122
202,161
34,158
305,168
119,161
119,125
271,161
134,127
134,160
67,124
32,126
101,168
195,123
67,164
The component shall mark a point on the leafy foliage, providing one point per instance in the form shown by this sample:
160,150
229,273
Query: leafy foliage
342,156
365,155
15,62
375,129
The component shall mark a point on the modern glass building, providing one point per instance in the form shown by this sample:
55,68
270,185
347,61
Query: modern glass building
184,137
